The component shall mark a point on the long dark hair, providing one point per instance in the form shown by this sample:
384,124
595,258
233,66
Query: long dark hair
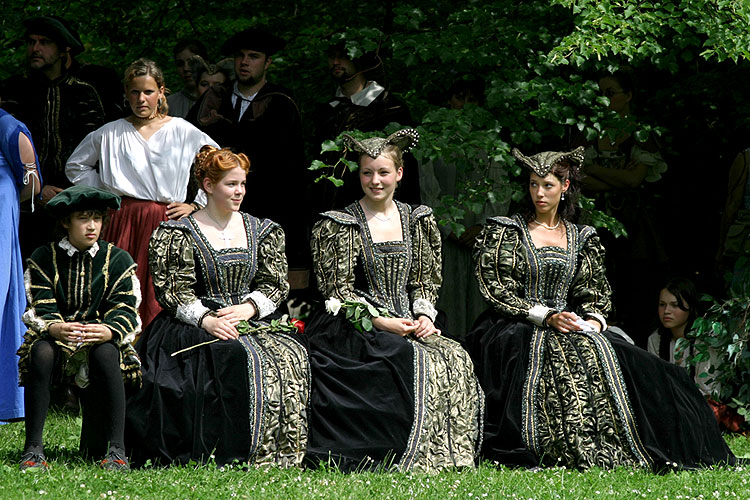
564,169
687,299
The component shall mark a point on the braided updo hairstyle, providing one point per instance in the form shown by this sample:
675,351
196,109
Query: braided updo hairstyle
213,163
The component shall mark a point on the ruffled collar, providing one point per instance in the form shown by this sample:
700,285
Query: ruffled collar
66,245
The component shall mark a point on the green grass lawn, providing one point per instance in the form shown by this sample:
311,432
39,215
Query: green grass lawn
71,478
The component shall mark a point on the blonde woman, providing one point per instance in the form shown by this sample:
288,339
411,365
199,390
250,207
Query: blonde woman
145,158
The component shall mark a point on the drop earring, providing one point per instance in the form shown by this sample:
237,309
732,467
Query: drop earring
562,196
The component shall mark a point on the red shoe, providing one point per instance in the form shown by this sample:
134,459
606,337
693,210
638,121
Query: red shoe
33,461
115,460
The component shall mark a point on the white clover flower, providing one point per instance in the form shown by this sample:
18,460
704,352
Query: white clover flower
333,305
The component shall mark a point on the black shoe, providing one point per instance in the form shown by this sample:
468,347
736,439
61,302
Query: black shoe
33,461
115,460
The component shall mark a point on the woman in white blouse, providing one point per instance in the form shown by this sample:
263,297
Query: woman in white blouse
145,158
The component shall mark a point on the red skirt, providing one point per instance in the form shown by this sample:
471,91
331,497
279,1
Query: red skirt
130,228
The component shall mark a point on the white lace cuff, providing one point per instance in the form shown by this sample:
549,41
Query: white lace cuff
538,313
424,307
130,337
263,304
192,313
33,321
597,317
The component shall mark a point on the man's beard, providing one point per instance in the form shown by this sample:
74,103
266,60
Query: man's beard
248,80
41,64
342,77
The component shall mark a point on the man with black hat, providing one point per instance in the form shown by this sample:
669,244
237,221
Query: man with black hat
261,119
58,108
359,104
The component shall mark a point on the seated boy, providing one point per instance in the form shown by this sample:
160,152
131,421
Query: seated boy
82,317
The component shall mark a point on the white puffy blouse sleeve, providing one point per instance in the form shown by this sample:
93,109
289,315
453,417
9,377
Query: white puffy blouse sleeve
81,166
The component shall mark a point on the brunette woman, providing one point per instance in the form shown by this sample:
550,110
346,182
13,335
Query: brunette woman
678,302
561,391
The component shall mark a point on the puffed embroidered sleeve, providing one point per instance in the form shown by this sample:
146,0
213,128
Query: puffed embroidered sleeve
501,266
335,246
270,285
590,292
42,310
425,275
119,306
172,265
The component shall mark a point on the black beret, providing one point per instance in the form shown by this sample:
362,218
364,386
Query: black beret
56,28
80,198
254,39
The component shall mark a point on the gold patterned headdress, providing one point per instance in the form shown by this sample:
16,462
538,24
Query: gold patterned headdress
541,163
404,139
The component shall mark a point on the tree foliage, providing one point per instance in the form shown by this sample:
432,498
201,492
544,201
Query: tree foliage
539,61
725,331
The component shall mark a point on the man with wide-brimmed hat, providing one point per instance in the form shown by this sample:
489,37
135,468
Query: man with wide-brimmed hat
59,109
261,119
360,103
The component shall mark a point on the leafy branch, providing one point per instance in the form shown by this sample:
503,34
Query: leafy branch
724,331
359,313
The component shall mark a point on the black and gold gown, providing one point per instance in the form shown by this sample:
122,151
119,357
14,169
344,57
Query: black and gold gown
238,400
574,399
379,399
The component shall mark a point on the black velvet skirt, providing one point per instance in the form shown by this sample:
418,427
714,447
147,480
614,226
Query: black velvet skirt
229,401
673,421
362,396
379,400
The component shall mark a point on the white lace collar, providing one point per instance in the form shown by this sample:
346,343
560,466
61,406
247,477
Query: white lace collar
70,249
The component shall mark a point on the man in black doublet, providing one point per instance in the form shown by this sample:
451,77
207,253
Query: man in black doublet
58,108
261,119
364,105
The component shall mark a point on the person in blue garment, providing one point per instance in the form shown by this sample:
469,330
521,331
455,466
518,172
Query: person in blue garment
19,181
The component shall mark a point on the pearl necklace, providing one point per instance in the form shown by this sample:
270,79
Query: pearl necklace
381,219
545,226
223,232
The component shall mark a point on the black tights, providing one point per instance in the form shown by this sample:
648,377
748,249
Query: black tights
105,395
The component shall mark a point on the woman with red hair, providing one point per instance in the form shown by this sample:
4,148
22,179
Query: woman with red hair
210,391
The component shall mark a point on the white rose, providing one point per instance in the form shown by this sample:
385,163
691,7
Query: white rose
333,305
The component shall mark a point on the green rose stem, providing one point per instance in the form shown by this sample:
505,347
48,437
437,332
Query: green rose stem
244,328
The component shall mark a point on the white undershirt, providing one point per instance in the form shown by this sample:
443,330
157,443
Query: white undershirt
246,101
